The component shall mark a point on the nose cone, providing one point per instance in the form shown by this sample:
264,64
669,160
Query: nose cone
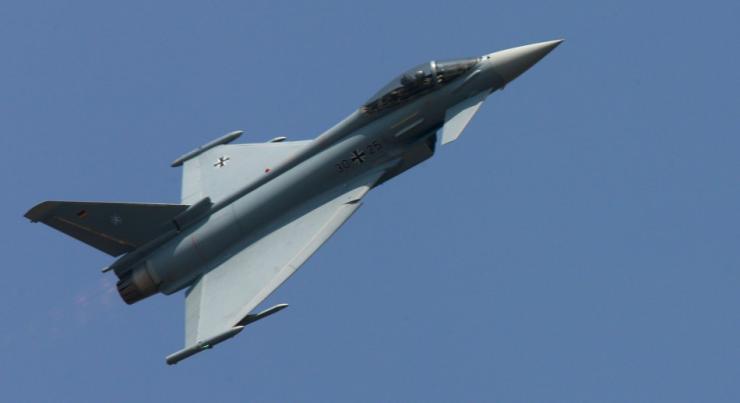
511,63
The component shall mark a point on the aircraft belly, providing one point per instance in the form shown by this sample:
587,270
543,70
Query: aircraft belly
185,258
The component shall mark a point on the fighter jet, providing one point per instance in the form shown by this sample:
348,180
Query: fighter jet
251,214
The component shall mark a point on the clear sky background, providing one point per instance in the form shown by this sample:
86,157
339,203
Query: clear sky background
580,242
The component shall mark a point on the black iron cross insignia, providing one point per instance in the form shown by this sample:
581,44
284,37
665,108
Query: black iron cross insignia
358,156
221,162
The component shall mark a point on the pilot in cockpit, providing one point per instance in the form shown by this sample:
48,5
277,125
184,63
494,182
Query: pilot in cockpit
420,79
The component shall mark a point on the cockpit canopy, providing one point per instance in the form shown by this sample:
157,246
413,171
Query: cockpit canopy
417,80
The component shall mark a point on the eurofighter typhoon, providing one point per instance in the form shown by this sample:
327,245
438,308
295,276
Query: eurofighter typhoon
251,214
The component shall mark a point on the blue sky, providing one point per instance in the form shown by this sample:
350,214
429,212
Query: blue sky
578,243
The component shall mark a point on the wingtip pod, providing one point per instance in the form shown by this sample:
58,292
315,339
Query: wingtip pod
267,312
225,139
178,356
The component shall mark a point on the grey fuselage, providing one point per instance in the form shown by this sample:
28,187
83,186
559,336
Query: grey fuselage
390,139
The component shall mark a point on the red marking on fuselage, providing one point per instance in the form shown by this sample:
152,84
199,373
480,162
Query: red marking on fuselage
197,250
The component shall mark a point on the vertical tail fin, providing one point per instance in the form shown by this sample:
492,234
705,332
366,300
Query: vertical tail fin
114,228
